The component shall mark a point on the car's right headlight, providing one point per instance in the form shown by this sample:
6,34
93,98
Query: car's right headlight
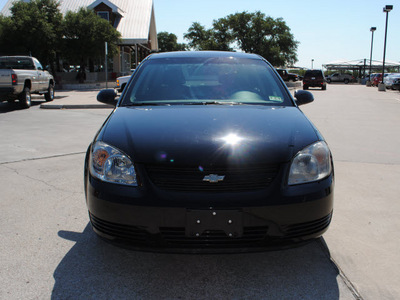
109,164
313,163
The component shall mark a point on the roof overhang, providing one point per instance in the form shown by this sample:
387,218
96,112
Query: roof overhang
354,64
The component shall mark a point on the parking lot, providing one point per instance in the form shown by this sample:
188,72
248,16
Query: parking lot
49,250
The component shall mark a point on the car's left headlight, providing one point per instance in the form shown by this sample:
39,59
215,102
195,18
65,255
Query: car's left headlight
109,164
313,163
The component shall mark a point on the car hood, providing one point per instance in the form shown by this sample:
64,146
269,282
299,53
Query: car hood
209,134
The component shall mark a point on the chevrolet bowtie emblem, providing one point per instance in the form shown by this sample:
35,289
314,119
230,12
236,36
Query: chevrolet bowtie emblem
213,178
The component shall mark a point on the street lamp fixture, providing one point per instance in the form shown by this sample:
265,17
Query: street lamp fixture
370,56
386,9
312,63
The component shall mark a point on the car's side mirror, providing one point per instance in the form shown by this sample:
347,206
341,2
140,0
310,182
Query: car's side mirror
107,96
303,97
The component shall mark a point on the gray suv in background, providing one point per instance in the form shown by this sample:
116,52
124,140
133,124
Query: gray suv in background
338,77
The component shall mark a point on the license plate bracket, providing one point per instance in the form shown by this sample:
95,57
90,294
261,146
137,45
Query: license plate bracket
229,221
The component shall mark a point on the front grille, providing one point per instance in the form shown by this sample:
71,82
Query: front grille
119,231
175,237
236,179
213,238
307,228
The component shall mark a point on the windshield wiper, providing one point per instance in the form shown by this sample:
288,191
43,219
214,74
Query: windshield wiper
145,104
213,103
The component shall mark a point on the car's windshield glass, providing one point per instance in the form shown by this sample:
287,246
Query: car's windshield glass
314,73
216,80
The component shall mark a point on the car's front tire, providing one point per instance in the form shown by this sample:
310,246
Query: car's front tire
49,96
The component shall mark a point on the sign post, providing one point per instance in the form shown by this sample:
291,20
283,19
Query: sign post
105,64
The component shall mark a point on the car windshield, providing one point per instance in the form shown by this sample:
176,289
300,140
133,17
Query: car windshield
314,73
205,80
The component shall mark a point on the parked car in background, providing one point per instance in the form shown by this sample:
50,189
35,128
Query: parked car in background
389,80
371,78
286,76
314,78
122,81
377,79
21,76
396,84
338,77
208,151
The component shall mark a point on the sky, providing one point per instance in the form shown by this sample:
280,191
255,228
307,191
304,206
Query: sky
327,31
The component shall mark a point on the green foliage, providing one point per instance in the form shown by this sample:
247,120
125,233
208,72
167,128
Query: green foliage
169,42
38,28
33,28
202,39
251,33
85,35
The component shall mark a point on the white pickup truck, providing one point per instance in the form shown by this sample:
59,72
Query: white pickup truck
122,81
21,76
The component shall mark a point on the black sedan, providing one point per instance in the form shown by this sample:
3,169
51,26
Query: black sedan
209,152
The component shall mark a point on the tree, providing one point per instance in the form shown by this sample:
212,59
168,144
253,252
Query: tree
251,33
211,39
169,42
85,35
34,28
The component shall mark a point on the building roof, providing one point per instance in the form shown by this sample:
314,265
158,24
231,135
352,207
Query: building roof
137,24
343,64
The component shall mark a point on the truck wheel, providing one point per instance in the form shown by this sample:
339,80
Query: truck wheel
328,80
346,81
49,96
25,98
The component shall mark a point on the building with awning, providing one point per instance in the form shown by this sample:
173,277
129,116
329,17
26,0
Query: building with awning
134,19
362,66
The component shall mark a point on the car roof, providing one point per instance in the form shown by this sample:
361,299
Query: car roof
314,70
203,54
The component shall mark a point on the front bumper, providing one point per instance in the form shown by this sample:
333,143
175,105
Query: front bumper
230,222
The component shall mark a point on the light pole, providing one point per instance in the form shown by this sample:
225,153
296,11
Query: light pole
370,56
312,63
386,9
